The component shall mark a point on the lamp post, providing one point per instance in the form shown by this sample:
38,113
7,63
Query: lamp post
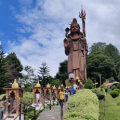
77,78
71,76
100,78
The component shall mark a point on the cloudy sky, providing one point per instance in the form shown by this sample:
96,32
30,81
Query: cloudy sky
35,29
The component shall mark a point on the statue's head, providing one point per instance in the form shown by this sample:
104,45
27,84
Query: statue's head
75,28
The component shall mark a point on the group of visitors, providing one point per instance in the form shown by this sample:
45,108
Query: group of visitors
62,93
2,105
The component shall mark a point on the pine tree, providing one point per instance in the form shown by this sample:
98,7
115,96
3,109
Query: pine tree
4,83
43,74
14,67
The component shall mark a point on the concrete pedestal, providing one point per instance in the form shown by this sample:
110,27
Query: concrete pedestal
37,106
12,116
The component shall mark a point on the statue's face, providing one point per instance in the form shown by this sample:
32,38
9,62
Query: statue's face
74,28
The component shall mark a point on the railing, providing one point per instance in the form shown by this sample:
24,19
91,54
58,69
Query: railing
11,112
49,100
19,114
35,114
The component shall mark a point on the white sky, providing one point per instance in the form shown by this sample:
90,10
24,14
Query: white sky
46,23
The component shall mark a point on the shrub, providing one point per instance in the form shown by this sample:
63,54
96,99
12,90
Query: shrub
102,86
27,98
114,94
106,89
118,104
118,85
114,87
117,90
89,84
100,93
82,105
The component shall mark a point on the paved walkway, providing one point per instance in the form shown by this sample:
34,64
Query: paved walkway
54,113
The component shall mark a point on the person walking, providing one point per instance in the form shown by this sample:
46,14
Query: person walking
38,97
61,93
66,95
2,107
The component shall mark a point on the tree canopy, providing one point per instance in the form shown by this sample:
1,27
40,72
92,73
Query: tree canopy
14,67
43,74
113,53
4,82
29,77
99,46
62,74
97,63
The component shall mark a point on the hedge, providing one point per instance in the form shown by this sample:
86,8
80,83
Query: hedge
118,90
114,87
82,105
100,92
114,94
118,85
89,84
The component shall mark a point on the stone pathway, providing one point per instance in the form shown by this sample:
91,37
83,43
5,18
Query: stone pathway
54,113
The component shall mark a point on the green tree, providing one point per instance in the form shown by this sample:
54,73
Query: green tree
43,74
99,46
4,82
97,63
14,67
111,79
89,84
62,74
119,75
55,82
27,87
113,53
30,77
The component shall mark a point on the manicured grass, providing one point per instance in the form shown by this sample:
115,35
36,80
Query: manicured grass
112,110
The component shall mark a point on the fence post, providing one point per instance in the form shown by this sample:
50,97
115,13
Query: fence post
44,102
50,104
61,102
57,101
20,112
34,114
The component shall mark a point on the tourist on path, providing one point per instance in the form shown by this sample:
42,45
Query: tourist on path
61,93
66,95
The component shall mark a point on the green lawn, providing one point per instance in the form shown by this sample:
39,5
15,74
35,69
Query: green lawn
112,110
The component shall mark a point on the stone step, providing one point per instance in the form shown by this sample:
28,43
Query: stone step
54,113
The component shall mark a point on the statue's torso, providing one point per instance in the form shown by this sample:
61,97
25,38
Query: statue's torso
75,45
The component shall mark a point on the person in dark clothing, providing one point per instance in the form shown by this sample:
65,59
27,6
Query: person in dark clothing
66,95
61,93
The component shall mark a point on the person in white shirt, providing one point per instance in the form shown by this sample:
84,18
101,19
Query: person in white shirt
38,97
